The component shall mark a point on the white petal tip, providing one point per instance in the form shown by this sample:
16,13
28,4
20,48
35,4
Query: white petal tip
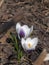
17,26
22,40
31,29
36,39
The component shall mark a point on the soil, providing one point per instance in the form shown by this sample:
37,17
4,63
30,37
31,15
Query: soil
30,12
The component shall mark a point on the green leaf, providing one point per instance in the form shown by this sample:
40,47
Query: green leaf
16,45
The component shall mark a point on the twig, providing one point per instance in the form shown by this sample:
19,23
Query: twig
40,59
1,2
47,57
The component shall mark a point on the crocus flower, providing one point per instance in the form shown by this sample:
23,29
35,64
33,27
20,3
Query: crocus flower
23,31
29,44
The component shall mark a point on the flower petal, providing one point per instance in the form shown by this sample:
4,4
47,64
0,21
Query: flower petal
27,43
23,43
18,27
22,33
31,29
28,40
26,30
34,42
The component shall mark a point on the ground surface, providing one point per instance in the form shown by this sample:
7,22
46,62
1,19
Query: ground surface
30,12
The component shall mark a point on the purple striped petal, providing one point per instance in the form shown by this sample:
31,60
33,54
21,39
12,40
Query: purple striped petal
21,34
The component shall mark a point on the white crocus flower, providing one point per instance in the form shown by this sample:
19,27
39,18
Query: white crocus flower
23,31
29,44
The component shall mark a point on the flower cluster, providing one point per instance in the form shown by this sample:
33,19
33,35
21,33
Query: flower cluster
23,34
27,43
